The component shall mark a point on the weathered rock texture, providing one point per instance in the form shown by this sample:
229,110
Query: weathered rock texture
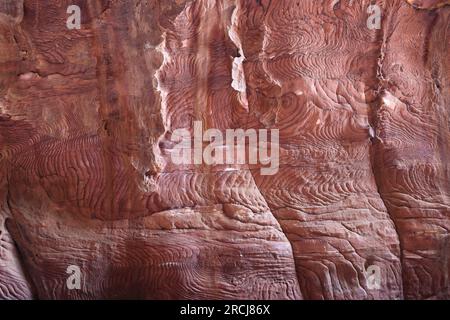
86,179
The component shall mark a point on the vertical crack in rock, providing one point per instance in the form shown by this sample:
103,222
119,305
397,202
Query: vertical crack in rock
294,82
239,84
410,150
375,140
376,175
195,82
161,48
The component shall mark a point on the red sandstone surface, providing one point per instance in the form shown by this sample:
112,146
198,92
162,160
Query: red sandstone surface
86,118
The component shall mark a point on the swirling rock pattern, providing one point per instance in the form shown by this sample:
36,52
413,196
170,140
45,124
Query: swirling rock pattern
86,118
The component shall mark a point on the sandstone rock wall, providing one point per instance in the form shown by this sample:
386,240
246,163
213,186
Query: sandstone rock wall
86,123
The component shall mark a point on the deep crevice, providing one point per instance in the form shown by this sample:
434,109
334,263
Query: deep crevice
375,148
